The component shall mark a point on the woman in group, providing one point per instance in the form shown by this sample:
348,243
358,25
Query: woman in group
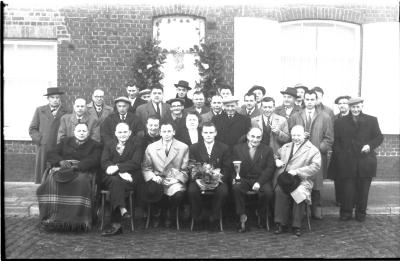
65,194
191,132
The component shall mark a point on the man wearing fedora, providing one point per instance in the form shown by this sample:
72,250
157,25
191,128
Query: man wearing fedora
301,90
288,108
155,106
44,127
80,115
319,131
231,126
122,114
182,88
259,91
177,115
97,108
354,161
133,96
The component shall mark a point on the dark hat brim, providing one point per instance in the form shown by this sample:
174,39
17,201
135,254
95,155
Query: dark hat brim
187,87
152,192
54,93
291,94
342,97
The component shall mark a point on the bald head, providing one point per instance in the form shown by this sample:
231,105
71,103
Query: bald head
298,135
80,106
254,136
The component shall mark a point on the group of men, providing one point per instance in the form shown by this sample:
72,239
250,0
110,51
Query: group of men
253,134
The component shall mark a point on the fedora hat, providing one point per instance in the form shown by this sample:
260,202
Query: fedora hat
170,101
123,99
183,84
290,91
53,91
257,87
230,99
152,192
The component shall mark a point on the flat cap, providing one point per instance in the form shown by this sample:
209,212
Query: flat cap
355,100
145,91
347,97
230,99
123,99
170,101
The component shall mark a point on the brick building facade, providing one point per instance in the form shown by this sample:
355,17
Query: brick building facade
96,45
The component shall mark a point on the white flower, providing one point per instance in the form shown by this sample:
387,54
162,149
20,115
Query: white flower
149,66
205,66
139,71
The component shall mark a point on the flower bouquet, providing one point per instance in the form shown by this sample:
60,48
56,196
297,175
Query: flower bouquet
206,177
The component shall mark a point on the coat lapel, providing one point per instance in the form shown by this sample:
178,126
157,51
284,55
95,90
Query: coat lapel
300,151
160,151
203,152
173,151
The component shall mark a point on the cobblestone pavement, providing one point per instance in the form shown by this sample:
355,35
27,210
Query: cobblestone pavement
378,236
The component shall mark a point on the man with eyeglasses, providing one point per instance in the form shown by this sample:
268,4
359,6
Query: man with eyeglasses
97,108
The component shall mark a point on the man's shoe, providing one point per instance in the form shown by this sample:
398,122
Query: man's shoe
345,218
360,218
243,228
112,231
296,231
278,229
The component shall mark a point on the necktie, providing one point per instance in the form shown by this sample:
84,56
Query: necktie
79,120
158,110
308,122
123,117
54,111
166,150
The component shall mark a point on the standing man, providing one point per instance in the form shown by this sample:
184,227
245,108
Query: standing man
182,88
354,161
97,109
275,127
231,126
320,106
155,106
343,105
122,114
301,90
177,115
80,115
256,173
288,108
319,130
145,95
133,96
249,108
216,108
217,155
152,133
225,90
44,127
199,104
259,91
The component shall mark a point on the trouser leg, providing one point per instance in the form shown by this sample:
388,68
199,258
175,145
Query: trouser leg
239,196
362,191
298,213
338,192
221,193
282,206
265,195
349,188
194,199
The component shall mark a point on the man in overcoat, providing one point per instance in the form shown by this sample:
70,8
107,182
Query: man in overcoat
319,130
44,127
198,103
354,161
133,96
182,88
97,108
155,106
216,108
250,108
288,108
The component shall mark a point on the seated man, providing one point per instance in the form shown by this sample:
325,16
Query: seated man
165,173
121,162
256,171
217,155
305,162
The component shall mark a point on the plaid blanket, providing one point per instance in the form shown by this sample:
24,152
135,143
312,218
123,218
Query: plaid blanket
66,205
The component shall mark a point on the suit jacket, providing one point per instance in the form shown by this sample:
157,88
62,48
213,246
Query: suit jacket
179,123
183,136
204,109
137,103
321,136
156,162
69,121
231,130
220,157
44,126
280,110
147,109
147,139
208,116
188,102
261,168
347,159
87,153
107,110
306,162
256,112
276,140
130,160
107,129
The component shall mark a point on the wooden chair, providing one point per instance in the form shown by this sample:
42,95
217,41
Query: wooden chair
208,193
105,195
149,212
251,193
308,215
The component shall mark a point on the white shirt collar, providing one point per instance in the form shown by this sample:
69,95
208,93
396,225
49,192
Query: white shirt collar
312,111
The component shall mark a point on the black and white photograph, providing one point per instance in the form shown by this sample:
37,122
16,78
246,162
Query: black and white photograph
186,129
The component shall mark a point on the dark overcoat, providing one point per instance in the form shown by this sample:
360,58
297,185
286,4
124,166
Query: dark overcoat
347,159
137,103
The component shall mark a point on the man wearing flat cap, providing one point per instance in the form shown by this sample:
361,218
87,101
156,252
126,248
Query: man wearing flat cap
288,108
259,91
343,106
145,95
122,114
354,161
44,126
301,90
231,126
182,88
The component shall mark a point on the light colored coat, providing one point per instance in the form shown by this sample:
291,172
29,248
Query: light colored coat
321,137
107,110
156,162
276,139
306,162
69,121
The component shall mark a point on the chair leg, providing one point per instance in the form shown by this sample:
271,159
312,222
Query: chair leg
177,218
192,224
148,215
220,221
267,219
131,200
103,210
308,216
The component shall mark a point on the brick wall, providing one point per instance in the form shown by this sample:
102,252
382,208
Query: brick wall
96,47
